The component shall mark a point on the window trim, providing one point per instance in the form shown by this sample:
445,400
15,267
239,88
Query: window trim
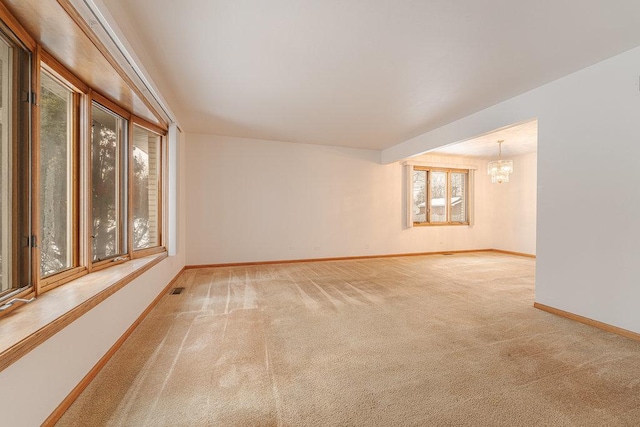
448,171
19,32
51,67
106,104
138,253
21,153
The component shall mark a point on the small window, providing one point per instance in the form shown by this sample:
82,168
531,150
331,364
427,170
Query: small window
146,188
58,245
439,196
108,184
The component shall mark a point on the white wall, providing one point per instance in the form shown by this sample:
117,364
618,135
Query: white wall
252,200
588,192
513,211
48,373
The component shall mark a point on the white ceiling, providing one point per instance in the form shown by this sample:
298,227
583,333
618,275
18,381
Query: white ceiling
518,140
361,73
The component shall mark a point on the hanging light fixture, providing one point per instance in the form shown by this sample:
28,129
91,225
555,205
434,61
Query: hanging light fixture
500,169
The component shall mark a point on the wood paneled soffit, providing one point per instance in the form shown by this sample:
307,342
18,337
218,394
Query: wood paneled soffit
63,33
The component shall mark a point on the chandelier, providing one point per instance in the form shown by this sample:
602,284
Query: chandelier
500,169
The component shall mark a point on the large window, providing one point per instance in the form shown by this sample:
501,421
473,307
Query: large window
108,184
57,187
439,196
15,230
146,188
80,176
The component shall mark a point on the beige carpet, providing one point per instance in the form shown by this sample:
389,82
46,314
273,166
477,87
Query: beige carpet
433,340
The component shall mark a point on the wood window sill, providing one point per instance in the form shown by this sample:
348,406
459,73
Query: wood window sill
438,224
28,326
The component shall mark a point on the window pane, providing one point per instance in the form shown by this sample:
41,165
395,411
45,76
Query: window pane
15,224
146,174
56,180
108,178
419,196
458,197
438,188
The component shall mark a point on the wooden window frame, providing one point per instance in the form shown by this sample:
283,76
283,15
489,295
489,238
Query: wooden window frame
429,170
105,103
84,96
21,34
24,41
141,123
51,66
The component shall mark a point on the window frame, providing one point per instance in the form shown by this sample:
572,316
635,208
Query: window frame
22,200
428,208
83,96
111,106
49,65
139,253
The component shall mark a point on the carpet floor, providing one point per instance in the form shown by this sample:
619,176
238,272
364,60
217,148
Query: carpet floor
439,340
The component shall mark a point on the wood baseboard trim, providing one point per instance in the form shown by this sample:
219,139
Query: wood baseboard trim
585,320
78,389
515,253
350,258
347,258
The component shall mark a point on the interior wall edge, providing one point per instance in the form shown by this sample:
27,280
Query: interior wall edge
590,322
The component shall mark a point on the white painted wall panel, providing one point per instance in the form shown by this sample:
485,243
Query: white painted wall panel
513,215
251,200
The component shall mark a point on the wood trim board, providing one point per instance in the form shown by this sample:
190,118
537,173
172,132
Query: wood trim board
293,261
587,321
515,253
85,28
10,21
